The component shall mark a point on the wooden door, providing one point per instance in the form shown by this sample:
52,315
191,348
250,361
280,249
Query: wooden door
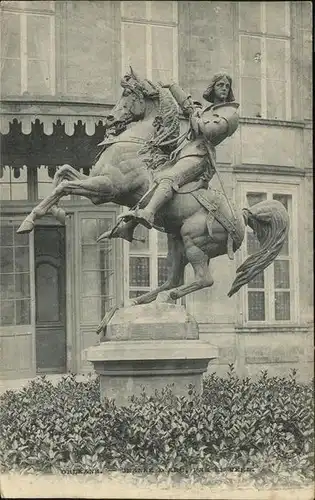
49,243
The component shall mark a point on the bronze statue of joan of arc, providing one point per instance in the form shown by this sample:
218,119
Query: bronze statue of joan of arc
200,223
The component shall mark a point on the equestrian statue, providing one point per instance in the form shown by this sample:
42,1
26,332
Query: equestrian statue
164,178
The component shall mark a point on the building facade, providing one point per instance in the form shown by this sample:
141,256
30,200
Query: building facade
61,63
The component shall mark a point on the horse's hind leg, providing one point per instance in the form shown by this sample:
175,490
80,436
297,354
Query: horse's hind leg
176,267
199,260
200,264
177,262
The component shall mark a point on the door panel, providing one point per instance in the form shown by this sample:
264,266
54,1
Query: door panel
50,299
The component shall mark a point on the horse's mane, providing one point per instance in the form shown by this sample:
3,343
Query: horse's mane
157,149
167,130
166,123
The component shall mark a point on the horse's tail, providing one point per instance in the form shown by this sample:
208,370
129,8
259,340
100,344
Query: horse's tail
270,222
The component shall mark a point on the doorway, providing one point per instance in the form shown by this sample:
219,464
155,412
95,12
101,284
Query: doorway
50,299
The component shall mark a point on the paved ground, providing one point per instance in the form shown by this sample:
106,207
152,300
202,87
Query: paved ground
124,487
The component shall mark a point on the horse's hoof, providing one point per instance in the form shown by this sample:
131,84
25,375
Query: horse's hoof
120,232
165,297
141,216
124,215
131,303
104,236
26,227
60,215
108,316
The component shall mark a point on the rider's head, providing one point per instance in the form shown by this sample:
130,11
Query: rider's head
219,89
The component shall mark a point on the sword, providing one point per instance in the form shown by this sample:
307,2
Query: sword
214,166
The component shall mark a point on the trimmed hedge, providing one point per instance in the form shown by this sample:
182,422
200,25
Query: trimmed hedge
262,427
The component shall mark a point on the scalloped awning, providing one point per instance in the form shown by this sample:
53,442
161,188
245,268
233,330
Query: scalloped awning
51,143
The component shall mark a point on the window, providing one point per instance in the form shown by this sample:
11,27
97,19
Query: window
27,48
265,59
149,39
271,297
147,267
44,182
45,177
97,262
13,184
28,183
15,276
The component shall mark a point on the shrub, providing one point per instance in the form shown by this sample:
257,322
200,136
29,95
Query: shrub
262,427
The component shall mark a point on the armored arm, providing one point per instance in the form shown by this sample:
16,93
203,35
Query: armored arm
184,100
219,123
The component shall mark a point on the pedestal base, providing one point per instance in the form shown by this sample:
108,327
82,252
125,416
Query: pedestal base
148,347
128,368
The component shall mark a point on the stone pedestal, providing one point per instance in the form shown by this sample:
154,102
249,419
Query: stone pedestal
149,347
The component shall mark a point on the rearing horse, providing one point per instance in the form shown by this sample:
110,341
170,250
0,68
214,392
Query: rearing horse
120,176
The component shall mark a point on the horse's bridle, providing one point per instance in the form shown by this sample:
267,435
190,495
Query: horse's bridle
140,90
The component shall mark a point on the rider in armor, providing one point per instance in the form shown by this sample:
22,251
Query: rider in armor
195,156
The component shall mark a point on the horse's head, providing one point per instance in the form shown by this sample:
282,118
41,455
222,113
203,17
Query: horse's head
132,105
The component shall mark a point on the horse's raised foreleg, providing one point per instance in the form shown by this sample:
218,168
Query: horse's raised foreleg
176,268
64,173
67,173
97,189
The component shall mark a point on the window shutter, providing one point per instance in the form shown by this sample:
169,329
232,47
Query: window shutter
38,54
10,54
134,46
251,55
276,76
250,16
162,11
276,18
162,53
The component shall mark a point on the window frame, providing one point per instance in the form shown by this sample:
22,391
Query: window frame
148,23
20,338
8,184
263,36
110,216
22,10
20,329
32,183
272,188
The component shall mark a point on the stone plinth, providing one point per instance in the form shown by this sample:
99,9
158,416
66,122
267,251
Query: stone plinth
155,321
149,347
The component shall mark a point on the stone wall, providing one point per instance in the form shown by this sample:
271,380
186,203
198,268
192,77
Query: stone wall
277,351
